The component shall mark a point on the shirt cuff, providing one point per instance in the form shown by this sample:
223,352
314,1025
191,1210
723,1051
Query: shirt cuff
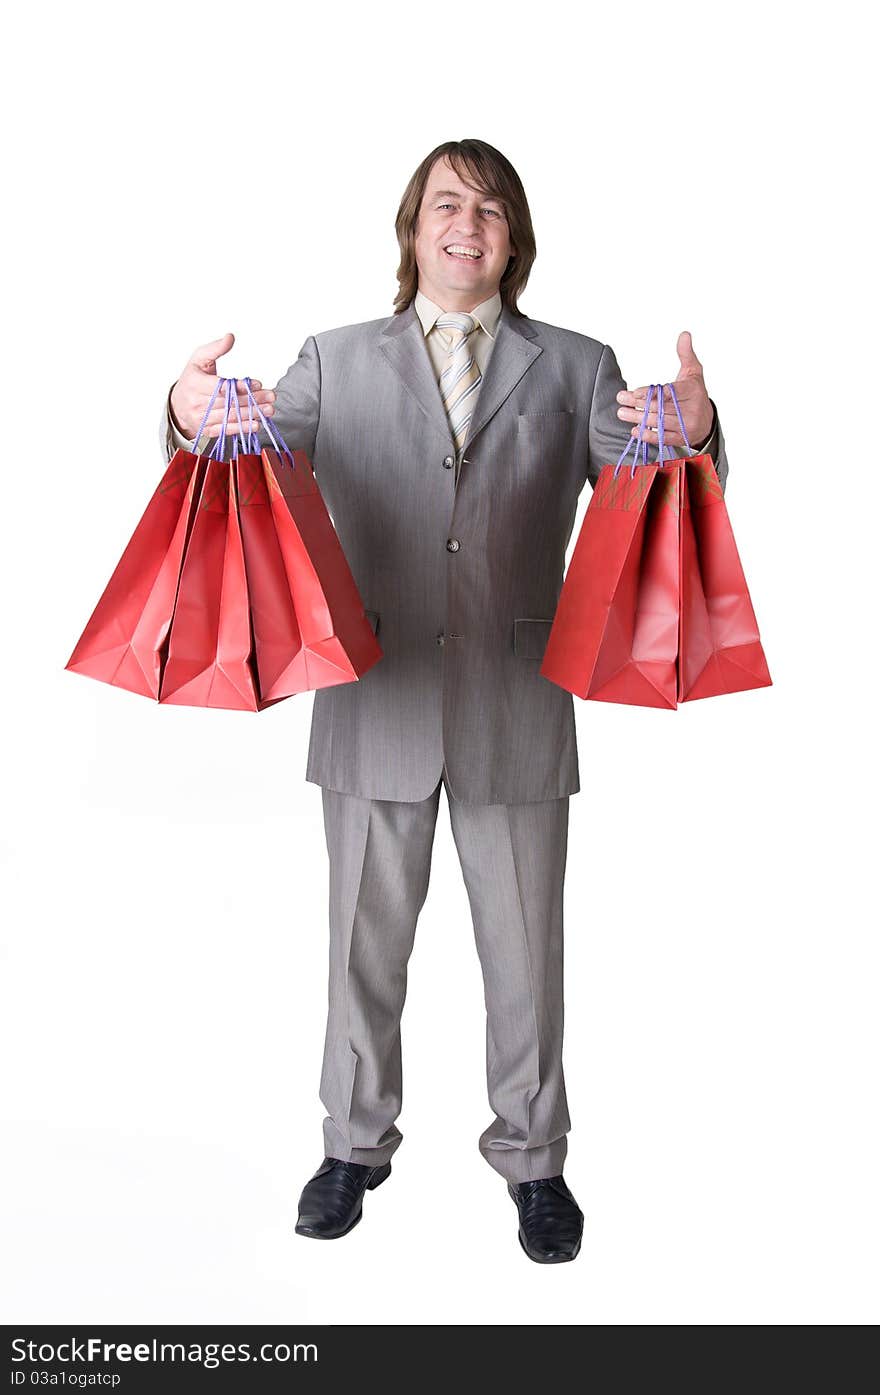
176,437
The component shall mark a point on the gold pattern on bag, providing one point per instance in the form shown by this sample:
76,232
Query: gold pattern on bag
704,486
215,492
627,491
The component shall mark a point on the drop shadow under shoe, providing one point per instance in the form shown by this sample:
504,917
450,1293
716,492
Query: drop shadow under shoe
331,1200
551,1224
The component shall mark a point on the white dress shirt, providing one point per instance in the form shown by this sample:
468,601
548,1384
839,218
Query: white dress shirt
439,341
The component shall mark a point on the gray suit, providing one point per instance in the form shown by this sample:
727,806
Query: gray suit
460,577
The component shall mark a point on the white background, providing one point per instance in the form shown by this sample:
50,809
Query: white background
182,170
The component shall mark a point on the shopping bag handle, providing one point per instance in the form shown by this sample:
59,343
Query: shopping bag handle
231,396
273,433
250,444
217,388
660,442
219,446
250,440
638,439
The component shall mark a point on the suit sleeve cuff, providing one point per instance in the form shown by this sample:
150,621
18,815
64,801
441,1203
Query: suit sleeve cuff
712,439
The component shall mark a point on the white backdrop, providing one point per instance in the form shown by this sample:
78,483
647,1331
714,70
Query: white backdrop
194,169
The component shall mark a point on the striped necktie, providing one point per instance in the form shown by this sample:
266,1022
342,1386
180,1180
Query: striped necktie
461,378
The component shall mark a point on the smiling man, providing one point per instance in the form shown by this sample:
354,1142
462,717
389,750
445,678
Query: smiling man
451,441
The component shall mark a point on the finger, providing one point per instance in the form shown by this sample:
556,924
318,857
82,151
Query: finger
260,395
652,436
633,397
632,414
215,420
265,397
637,397
206,355
215,429
690,364
217,414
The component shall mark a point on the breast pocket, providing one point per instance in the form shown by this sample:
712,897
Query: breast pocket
543,435
528,421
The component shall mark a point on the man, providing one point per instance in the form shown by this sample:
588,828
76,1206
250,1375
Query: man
451,441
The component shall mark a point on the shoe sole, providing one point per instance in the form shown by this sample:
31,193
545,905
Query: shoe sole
375,1181
548,1259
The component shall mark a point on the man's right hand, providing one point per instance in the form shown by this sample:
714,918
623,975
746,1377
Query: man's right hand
194,388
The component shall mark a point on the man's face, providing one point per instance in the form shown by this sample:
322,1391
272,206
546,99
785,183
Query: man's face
453,215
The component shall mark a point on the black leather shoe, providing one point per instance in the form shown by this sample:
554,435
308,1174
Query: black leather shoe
550,1221
331,1200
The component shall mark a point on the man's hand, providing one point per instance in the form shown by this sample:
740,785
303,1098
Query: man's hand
194,388
693,399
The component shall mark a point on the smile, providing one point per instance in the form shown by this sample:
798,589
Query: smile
462,253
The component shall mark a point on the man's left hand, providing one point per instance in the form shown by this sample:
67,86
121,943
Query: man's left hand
693,399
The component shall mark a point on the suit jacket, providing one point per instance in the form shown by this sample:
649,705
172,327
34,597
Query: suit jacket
460,579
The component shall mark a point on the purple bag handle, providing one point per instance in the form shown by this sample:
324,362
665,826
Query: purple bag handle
250,440
208,410
661,444
660,441
253,431
216,452
253,436
220,444
638,439
272,432
687,443
240,436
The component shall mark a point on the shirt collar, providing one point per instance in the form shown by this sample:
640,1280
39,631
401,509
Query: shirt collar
486,314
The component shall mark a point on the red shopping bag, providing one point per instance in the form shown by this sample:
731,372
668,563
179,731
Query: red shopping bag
273,617
654,609
210,649
309,623
721,650
234,591
614,636
124,641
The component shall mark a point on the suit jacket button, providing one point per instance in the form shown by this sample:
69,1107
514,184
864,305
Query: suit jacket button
448,462
441,639
452,544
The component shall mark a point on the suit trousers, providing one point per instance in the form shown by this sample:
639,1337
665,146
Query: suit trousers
512,858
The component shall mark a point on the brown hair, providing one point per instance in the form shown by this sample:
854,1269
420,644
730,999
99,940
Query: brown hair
486,169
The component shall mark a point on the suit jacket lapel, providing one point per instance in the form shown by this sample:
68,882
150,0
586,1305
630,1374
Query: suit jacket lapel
402,341
513,353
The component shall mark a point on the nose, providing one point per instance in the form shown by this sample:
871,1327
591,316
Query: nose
466,224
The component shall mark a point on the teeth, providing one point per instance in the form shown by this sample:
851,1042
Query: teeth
464,251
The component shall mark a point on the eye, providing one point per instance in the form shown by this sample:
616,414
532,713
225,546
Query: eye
493,211
444,205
